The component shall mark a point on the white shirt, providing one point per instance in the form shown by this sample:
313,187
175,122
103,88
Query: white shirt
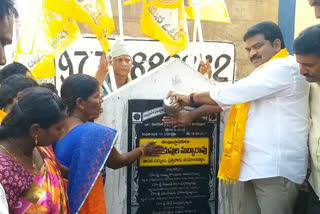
275,142
3,202
314,137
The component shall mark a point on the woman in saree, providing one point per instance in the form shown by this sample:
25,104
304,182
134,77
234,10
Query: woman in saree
29,172
87,147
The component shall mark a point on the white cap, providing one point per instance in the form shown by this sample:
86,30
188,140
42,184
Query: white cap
119,48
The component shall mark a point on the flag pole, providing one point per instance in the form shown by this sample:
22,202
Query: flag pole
120,19
195,22
111,71
195,31
185,21
199,27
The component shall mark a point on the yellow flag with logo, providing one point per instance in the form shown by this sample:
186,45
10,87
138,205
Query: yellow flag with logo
44,34
95,13
210,10
164,20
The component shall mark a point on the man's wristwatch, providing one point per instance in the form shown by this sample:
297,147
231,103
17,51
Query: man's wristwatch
191,97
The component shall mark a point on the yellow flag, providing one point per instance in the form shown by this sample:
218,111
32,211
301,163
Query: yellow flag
45,33
210,10
96,13
128,2
164,20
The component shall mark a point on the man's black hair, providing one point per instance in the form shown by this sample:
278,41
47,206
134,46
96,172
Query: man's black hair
12,69
308,41
50,86
6,8
11,86
270,30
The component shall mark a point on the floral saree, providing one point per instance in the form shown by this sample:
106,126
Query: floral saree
44,192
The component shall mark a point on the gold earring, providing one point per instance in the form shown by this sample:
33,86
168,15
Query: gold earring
36,140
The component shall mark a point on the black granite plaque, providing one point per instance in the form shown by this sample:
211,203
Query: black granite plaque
184,179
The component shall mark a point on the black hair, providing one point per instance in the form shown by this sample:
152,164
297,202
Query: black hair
6,8
11,86
11,69
35,106
77,86
308,41
270,30
50,86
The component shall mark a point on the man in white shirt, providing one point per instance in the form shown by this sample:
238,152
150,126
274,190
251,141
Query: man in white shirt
274,155
121,62
307,49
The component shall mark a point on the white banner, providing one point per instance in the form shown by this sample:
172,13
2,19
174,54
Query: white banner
83,57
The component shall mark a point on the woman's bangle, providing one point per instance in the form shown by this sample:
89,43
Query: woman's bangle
142,151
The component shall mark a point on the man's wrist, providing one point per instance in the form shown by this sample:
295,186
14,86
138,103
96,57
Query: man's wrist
191,98
192,114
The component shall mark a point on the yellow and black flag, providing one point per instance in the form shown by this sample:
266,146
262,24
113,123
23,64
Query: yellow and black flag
164,20
45,33
95,13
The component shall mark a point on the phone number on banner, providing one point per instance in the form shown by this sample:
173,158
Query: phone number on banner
84,55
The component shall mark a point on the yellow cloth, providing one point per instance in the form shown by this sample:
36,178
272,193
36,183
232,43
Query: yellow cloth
165,21
128,2
234,135
44,34
3,114
95,13
210,10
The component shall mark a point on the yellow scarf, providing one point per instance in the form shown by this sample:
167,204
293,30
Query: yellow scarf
3,114
234,135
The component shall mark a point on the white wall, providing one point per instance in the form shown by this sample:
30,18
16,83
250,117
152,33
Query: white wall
304,16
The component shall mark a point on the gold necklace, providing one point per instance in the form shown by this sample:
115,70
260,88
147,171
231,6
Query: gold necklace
33,164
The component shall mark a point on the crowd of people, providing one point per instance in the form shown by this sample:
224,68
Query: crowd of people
53,154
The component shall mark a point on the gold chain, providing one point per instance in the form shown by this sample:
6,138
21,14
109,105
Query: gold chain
33,164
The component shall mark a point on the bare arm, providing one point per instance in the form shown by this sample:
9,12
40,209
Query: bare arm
185,118
205,67
117,160
103,69
202,98
204,110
